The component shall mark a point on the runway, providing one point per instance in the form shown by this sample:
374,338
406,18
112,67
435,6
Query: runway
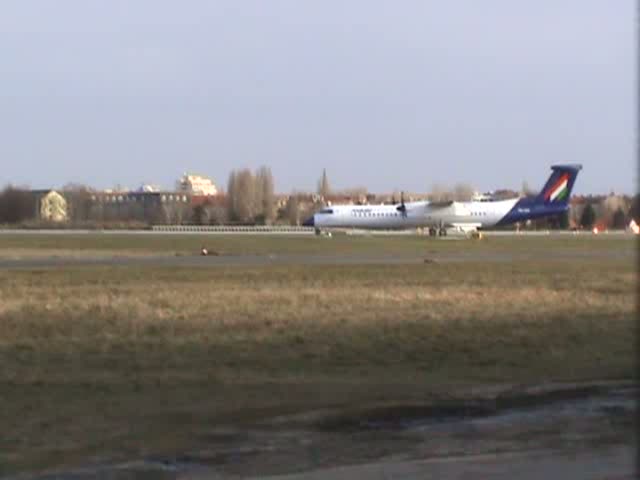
176,230
199,261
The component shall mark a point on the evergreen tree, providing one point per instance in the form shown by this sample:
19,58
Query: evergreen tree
619,219
588,217
200,216
231,197
16,205
563,221
635,208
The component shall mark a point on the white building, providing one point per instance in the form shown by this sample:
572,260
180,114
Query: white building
197,185
147,187
53,207
482,197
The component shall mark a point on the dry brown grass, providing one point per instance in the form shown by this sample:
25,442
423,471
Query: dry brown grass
177,312
85,350
307,314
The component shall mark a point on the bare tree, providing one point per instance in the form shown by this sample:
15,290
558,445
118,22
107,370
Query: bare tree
173,212
245,195
463,192
16,205
293,206
610,205
440,193
355,191
527,191
231,197
250,197
200,215
79,198
264,183
256,207
357,195
217,214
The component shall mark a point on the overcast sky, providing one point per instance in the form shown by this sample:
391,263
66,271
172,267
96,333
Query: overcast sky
384,94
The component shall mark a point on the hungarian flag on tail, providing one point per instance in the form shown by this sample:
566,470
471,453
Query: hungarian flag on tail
559,185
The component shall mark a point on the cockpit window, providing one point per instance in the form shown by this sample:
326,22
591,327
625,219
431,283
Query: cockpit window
326,210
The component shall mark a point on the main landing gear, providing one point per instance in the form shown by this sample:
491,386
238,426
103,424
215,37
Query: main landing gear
440,232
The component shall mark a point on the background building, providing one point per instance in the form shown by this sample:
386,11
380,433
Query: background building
48,206
197,185
149,207
53,207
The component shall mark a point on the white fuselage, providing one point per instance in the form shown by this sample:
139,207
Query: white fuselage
462,215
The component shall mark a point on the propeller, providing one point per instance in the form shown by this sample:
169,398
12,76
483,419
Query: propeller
402,208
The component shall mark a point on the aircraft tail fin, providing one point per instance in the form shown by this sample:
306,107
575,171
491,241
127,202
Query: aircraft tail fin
559,185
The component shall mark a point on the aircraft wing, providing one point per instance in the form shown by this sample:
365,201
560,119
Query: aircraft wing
444,204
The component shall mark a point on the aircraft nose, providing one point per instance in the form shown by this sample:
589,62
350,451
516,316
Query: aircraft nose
309,222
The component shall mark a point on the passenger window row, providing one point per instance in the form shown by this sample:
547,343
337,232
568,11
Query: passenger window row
374,214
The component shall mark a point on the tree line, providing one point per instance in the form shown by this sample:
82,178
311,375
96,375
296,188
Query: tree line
251,196
250,199
17,205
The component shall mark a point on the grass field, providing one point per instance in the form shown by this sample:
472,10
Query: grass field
122,362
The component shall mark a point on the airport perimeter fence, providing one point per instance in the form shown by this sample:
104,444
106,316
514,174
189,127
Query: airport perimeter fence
235,229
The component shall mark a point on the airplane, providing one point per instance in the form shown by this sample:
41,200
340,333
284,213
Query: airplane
466,217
